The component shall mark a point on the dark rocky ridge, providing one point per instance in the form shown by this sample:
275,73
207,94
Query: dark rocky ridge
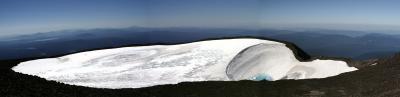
381,79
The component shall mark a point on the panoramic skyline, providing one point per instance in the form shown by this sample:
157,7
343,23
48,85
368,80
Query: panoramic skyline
23,17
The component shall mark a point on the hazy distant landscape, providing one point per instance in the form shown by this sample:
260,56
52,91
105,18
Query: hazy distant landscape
333,43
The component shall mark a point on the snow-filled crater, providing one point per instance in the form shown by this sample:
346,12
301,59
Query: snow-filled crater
212,60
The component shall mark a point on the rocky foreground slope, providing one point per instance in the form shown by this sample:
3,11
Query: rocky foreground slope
375,78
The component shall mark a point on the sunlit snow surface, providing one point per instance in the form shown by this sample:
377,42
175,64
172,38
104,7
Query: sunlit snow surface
135,67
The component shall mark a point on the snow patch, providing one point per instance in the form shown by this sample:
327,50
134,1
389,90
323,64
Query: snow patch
144,66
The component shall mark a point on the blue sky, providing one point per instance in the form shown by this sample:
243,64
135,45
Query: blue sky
203,13
30,16
345,14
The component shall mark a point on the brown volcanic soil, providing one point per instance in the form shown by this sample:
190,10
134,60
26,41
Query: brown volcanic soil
379,80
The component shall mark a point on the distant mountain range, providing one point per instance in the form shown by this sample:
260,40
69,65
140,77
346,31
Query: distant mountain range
335,43
361,47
